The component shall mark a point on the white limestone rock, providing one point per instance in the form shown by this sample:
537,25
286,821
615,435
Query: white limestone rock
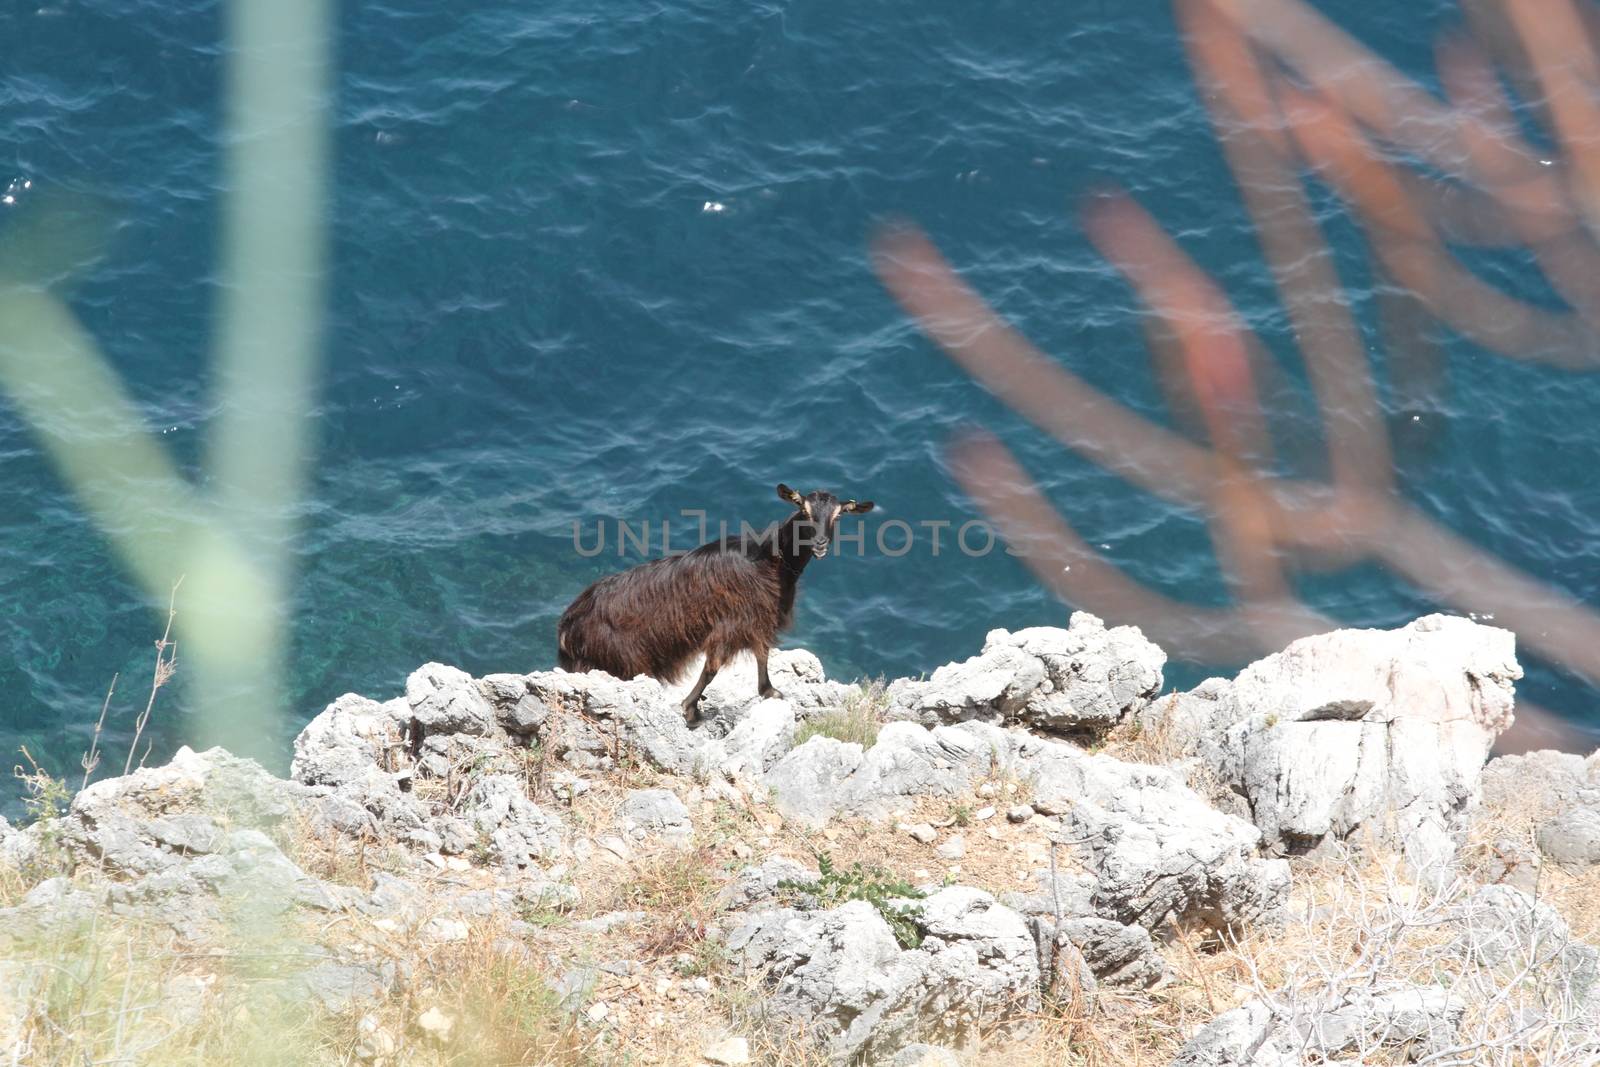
1084,679
1357,735
841,976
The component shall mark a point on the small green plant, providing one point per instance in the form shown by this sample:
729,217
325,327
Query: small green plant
538,914
888,894
856,721
535,768
46,799
706,958
47,796
961,815
482,849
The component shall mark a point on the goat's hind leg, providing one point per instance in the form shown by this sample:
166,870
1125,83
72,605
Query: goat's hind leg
764,687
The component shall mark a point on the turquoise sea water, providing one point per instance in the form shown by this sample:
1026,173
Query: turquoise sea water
609,261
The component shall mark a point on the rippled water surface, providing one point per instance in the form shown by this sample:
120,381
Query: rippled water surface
602,261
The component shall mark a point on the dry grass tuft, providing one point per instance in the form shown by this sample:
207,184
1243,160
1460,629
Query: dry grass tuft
774,1042
1152,738
492,995
335,859
857,721
679,889
1146,738
115,990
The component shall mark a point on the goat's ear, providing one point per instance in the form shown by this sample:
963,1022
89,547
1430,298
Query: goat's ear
785,493
856,505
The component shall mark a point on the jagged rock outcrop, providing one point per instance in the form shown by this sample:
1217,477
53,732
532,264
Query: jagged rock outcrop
519,833
370,756
53,905
1157,850
1572,838
1286,1032
648,813
758,736
1248,1036
447,700
470,793
162,843
1084,679
841,975
587,720
1377,735
1560,793
1063,910
796,674
351,739
1503,927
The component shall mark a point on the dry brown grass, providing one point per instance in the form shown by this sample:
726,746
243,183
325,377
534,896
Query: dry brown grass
494,987
1353,921
115,990
679,891
1146,738
337,859
1501,844
13,885
1576,895
1000,857
495,996
1151,738
773,1042
858,721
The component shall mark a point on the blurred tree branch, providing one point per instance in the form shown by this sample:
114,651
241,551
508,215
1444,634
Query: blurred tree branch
1289,92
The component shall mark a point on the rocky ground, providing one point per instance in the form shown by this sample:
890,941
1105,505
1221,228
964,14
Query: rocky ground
1032,856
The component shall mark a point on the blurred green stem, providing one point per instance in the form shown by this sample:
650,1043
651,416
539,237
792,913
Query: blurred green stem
234,545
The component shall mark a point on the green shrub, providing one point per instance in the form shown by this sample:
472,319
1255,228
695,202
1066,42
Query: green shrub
888,894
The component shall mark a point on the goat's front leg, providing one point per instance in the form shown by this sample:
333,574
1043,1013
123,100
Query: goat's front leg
763,683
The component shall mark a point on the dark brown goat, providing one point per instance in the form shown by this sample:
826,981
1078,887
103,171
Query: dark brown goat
725,597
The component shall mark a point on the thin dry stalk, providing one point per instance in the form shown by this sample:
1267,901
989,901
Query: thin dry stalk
166,664
91,758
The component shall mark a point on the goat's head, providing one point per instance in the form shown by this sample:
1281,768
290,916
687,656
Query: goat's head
819,514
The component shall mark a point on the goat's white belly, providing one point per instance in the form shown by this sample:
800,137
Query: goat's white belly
737,678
